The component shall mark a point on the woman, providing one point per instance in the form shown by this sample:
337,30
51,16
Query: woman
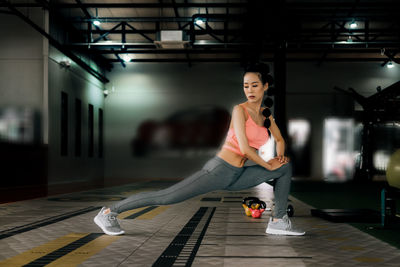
226,171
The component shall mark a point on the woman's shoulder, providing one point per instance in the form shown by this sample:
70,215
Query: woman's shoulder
241,107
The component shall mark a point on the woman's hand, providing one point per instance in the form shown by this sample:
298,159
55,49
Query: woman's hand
282,159
275,164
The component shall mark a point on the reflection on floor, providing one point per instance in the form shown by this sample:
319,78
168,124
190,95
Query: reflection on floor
208,230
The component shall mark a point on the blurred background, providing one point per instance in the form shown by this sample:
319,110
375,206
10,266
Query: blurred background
99,94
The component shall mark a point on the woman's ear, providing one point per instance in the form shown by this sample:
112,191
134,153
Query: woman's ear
265,87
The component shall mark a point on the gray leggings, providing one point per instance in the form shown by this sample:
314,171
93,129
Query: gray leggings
216,174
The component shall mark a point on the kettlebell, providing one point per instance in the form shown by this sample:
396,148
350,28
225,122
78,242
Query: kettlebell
258,209
246,204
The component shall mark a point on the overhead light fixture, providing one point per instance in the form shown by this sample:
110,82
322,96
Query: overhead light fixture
105,92
199,21
171,39
390,65
65,62
126,58
353,24
349,40
97,22
106,42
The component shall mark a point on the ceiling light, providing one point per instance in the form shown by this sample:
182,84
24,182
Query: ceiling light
353,25
126,58
390,65
199,21
96,22
65,62
349,40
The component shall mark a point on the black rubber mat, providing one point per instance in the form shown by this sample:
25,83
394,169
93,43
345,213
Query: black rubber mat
181,241
211,199
348,215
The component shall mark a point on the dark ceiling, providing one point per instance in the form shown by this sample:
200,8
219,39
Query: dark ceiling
233,31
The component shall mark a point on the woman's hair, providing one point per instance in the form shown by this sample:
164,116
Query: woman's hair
263,72
262,69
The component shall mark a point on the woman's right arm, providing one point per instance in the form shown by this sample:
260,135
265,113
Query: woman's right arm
239,122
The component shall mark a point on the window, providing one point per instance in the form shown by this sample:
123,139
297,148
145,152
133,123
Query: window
64,124
100,133
78,127
90,132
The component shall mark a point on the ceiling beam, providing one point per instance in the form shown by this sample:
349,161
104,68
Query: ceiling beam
59,46
133,5
391,53
238,59
298,5
57,18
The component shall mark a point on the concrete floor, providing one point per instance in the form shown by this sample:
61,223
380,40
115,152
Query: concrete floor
208,230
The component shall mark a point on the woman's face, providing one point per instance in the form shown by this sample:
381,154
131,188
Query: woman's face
253,87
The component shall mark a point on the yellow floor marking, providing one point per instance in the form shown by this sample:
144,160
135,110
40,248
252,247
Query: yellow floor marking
337,238
40,251
153,213
81,254
147,216
370,260
320,226
128,213
355,248
327,232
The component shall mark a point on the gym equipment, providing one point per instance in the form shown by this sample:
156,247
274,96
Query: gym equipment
388,206
290,210
246,204
257,209
251,204
393,170
391,191
380,107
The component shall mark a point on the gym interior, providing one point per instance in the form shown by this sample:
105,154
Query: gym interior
101,99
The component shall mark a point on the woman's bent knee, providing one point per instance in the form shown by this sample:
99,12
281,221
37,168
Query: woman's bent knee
286,167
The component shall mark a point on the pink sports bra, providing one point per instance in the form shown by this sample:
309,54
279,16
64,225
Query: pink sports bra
256,135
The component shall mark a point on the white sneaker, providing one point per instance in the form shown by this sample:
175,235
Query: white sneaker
282,227
108,222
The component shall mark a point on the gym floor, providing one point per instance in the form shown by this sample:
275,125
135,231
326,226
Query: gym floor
208,230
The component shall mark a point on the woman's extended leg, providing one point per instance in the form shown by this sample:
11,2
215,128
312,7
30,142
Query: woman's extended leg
255,175
216,174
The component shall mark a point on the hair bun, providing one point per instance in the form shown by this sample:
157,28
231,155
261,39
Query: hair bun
261,68
268,102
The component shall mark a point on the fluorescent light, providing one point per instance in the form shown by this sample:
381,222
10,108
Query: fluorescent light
126,58
96,22
65,62
390,65
199,21
353,25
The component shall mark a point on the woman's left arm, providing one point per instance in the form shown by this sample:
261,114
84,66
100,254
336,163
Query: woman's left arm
280,142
